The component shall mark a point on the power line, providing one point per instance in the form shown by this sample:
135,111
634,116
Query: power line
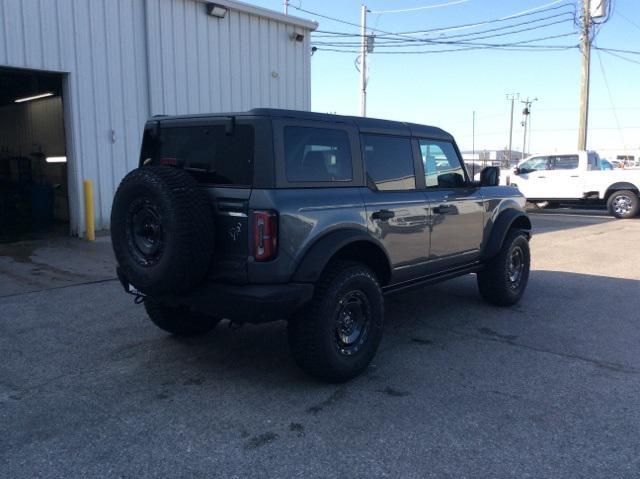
520,45
628,20
619,56
447,37
406,34
617,50
606,83
400,43
425,7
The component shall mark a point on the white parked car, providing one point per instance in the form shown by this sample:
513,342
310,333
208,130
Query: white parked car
575,177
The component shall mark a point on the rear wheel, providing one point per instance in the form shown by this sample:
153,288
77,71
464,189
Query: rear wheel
623,204
335,337
179,320
504,278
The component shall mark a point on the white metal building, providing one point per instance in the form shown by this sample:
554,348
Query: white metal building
108,65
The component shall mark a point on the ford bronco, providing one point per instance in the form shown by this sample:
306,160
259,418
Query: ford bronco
310,218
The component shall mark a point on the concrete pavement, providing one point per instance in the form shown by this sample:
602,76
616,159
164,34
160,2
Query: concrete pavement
549,388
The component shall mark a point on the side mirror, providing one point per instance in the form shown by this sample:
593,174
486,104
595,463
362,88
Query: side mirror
490,176
516,171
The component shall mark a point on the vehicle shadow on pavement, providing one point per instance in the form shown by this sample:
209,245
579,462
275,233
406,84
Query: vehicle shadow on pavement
568,311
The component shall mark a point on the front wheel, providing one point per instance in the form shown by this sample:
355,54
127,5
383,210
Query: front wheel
335,337
504,278
623,204
178,320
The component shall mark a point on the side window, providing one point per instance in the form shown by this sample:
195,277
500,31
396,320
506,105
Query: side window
536,163
317,154
565,162
442,166
209,154
593,162
388,162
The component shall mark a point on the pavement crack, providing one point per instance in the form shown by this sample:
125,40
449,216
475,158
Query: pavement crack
502,339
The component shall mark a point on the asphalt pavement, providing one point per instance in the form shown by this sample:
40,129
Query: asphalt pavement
548,388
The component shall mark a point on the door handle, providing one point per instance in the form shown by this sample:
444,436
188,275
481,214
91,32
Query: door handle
443,209
575,176
541,176
382,215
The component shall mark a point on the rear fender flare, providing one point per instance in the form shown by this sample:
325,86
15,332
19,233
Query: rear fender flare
318,255
621,185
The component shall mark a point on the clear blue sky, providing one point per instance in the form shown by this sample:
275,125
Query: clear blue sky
444,89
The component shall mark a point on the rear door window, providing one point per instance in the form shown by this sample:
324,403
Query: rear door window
317,155
565,162
210,153
388,162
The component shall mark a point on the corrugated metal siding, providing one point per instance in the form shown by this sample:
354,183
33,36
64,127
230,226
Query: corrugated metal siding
201,64
100,44
125,60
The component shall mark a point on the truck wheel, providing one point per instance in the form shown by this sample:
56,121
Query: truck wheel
335,337
623,204
179,320
504,278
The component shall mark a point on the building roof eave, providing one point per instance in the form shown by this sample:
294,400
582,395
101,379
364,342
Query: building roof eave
265,13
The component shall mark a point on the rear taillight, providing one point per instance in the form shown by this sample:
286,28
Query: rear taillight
265,235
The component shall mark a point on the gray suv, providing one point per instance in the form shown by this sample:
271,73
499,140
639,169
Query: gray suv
311,218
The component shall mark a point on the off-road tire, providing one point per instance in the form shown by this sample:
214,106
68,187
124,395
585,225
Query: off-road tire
633,204
180,230
495,280
179,320
315,338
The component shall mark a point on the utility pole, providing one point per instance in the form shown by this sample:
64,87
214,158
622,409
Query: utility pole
473,145
285,3
586,67
363,60
525,122
511,98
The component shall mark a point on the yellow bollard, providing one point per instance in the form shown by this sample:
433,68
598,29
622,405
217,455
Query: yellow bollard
88,210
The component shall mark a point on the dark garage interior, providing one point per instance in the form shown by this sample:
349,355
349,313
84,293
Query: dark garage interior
33,161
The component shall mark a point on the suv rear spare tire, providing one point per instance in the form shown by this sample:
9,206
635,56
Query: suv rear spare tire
162,230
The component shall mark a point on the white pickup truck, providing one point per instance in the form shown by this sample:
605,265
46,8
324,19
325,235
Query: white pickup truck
578,176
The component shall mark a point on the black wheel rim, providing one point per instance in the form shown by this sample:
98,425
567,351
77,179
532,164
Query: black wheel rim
515,267
352,322
145,235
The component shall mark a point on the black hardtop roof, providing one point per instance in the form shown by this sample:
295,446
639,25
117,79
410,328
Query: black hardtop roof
365,125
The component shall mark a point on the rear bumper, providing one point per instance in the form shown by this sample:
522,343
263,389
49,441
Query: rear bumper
250,303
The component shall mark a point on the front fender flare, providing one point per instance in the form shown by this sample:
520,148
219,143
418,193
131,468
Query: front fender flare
501,226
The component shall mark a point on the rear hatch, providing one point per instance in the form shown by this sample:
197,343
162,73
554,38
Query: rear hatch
219,153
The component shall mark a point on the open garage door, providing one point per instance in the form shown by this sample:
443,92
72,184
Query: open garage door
34,190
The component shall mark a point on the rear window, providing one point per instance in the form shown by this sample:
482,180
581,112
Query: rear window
317,155
208,152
